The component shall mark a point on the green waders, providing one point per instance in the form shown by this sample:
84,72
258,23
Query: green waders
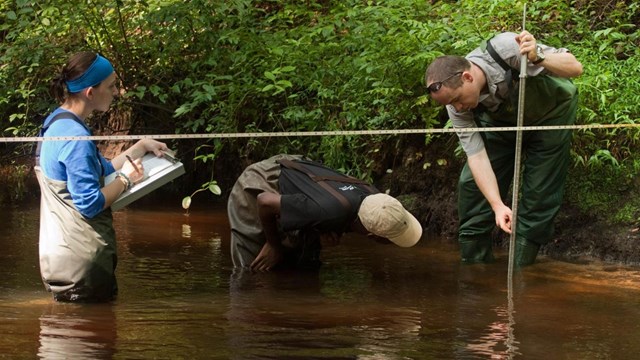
545,159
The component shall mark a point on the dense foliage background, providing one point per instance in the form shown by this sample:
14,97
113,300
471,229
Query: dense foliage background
209,66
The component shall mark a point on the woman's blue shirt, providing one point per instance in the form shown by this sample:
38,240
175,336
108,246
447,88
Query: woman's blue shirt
78,162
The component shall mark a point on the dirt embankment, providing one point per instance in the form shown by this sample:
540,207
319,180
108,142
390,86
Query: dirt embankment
425,180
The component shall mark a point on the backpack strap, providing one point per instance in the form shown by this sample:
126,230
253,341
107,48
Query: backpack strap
322,181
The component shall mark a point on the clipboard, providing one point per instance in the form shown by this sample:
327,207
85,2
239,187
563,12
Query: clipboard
157,172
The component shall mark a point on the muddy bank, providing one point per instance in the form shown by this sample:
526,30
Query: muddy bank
428,184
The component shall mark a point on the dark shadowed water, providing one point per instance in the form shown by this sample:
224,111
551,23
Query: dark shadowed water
179,299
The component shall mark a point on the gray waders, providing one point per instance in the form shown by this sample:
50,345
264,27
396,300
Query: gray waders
247,236
77,255
545,154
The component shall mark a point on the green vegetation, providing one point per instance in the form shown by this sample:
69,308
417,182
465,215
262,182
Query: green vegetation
209,66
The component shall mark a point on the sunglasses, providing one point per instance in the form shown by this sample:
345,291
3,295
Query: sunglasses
434,87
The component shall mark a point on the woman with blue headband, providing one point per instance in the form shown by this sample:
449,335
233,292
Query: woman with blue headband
77,239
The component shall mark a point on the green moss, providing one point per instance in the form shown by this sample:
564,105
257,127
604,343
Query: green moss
606,192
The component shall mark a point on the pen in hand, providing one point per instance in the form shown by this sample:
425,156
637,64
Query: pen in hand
132,163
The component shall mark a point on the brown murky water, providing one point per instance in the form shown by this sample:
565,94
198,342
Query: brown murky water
179,299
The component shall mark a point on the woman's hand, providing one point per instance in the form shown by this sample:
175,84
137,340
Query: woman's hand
135,171
154,146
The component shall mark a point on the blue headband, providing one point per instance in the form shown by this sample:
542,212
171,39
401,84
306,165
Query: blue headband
95,74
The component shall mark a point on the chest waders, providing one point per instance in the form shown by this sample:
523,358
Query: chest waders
545,161
301,247
242,208
77,255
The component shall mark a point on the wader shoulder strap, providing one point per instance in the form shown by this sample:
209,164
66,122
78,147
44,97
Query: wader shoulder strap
494,54
61,115
322,180
511,74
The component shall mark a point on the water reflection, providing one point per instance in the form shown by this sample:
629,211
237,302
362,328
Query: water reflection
179,298
497,341
186,231
291,315
71,331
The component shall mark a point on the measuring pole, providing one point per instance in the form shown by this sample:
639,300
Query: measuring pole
511,344
518,151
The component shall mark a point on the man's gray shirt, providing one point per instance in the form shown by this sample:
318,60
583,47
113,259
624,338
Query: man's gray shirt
498,89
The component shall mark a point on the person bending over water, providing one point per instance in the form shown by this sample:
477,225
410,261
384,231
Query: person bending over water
281,209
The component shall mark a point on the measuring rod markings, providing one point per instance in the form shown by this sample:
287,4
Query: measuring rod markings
312,133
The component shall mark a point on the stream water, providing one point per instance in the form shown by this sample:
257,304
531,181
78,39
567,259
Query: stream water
180,299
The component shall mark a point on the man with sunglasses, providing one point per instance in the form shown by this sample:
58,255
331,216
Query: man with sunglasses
480,90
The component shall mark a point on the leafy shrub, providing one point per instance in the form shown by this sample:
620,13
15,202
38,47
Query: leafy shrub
275,66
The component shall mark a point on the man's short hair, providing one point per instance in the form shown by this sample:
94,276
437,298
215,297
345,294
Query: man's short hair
445,66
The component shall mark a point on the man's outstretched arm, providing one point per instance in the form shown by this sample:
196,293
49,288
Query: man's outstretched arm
268,211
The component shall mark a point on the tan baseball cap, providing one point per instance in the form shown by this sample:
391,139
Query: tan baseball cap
384,216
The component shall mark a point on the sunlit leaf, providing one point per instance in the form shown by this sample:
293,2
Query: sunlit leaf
215,189
186,202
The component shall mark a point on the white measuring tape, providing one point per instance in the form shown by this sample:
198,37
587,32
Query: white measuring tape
313,133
